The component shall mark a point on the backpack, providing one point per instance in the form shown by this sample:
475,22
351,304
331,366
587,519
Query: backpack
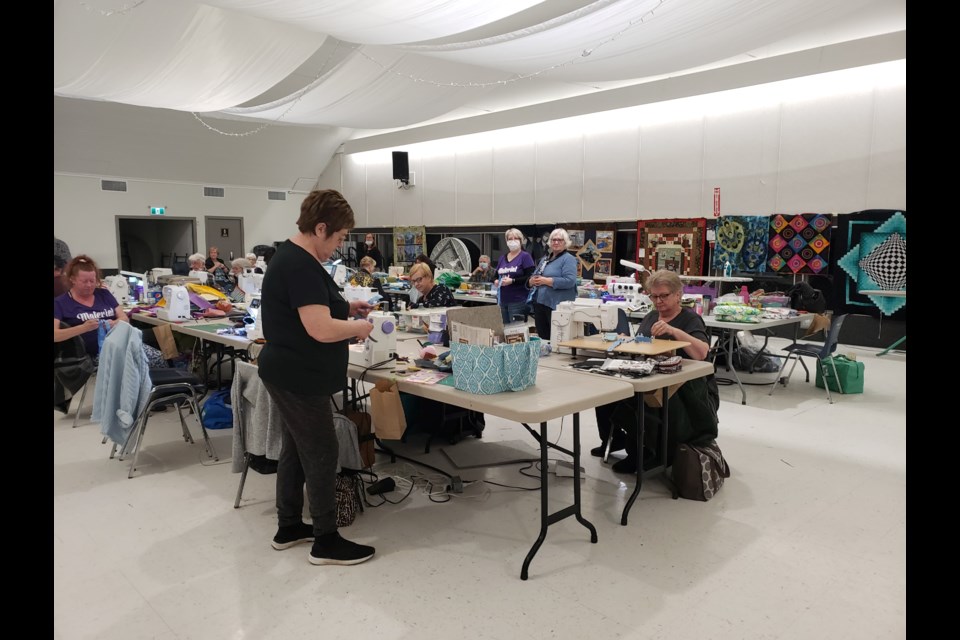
803,297
217,412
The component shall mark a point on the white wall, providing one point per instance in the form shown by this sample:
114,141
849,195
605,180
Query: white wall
832,143
85,217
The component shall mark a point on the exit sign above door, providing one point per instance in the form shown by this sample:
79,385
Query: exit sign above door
157,211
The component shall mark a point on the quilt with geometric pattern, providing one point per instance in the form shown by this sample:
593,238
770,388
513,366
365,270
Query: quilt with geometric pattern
800,243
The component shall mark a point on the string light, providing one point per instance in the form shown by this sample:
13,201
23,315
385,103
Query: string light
302,91
110,12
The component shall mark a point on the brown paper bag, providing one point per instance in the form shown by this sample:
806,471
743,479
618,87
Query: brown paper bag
655,399
389,423
168,345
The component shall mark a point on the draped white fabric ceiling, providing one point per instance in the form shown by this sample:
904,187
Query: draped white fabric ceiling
376,64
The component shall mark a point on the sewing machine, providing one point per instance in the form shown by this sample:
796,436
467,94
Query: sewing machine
254,310
568,319
199,275
250,283
382,343
119,286
177,306
153,275
337,271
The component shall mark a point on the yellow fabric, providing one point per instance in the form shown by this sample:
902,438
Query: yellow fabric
199,289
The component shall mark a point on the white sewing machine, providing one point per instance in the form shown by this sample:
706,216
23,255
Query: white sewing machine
254,310
153,275
250,283
567,320
199,275
337,271
119,286
382,343
177,306
630,290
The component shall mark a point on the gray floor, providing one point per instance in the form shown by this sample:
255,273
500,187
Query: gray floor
806,539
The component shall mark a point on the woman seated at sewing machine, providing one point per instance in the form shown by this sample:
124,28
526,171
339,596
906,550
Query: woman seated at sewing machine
431,294
364,278
696,420
85,305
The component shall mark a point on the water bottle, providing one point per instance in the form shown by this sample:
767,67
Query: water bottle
727,269
744,294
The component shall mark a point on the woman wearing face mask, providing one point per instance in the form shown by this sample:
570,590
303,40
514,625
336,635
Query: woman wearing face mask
370,249
513,269
484,272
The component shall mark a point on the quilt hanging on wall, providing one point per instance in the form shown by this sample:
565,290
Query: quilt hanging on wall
672,244
408,243
874,245
800,243
743,241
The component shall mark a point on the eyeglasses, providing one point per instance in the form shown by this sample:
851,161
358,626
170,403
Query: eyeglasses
659,297
556,240
417,280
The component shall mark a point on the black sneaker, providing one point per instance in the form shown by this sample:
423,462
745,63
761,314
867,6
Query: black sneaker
292,535
330,548
627,465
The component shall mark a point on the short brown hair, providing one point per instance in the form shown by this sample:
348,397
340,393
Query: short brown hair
420,268
81,263
325,206
664,278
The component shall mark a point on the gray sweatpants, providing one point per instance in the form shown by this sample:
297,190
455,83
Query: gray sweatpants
309,455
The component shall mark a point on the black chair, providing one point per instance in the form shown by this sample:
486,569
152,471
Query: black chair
72,370
169,387
820,352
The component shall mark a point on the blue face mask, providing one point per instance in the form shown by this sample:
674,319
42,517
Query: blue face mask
484,265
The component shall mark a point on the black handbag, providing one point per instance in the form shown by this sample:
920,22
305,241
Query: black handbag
698,471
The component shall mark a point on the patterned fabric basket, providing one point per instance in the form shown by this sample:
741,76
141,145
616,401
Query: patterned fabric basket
504,367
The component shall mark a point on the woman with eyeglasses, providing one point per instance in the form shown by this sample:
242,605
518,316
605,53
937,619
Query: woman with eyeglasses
431,293
555,280
668,321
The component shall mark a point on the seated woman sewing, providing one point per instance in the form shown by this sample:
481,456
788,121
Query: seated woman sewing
431,293
80,310
693,409
364,278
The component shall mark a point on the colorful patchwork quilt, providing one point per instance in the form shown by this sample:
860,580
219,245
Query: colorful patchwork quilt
800,243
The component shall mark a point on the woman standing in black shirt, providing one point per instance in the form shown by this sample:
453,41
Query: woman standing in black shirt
306,326
370,249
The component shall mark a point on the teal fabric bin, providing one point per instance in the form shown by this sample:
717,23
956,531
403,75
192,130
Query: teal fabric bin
487,370
849,371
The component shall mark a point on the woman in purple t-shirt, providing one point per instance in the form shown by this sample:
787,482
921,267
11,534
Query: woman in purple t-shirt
85,304
513,269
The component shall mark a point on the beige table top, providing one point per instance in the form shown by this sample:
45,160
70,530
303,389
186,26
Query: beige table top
189,327
691,369
765,323
556,394
655,348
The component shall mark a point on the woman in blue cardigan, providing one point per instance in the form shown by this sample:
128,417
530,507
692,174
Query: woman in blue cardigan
554,281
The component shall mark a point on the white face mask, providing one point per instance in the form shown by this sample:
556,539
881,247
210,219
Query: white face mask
484,265
369,243
513,245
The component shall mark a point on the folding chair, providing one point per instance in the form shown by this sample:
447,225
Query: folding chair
820,352
170,386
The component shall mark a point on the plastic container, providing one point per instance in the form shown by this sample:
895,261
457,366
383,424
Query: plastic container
727,269
744,294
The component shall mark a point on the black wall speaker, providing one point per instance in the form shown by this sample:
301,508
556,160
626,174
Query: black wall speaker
401,166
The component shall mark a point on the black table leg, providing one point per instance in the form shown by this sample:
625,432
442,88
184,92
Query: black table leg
547,518
544,513
639,484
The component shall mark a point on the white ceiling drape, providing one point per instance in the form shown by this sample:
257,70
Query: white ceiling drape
372,64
